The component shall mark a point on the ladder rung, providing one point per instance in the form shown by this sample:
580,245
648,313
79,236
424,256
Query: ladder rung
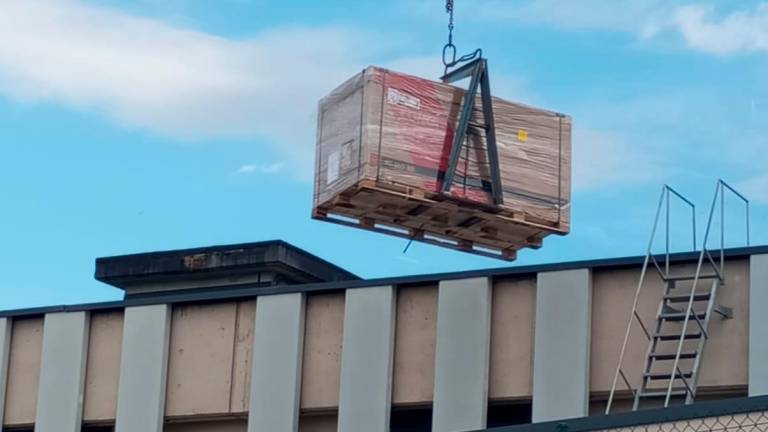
675,337
680,316
691,277
682,391
666,376
683,355
684,298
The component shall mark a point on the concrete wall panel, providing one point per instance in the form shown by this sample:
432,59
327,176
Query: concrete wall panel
23,371
561,359
5,350
758,325
722,347
322,351
277,356
200,359
62,372
103,366
143,368
514,307
366,375
241,371
612,295
462,357
415,341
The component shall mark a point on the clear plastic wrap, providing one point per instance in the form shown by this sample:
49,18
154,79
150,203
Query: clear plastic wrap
397,130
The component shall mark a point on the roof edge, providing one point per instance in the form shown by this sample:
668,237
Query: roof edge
250,290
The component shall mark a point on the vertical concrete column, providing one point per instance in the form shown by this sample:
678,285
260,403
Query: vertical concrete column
758,325
462,357
277,355
143,368
62,372
366,360
562,345
5,350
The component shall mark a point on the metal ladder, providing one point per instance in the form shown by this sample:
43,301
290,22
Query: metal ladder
674,351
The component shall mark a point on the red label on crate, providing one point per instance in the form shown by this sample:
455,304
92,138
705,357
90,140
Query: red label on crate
419,128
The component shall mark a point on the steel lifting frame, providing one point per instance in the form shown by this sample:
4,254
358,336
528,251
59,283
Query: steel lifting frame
477,70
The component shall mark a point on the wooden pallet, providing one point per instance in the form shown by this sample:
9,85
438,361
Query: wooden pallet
435,219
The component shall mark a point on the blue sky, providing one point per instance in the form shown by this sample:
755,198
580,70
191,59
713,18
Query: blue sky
133,126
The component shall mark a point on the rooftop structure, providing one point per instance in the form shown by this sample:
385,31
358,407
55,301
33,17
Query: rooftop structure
266,337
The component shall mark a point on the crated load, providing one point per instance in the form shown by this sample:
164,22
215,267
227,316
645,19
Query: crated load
383,145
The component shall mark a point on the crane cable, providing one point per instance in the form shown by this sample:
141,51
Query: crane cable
449,50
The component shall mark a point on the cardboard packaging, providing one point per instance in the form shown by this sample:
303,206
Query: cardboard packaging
383,143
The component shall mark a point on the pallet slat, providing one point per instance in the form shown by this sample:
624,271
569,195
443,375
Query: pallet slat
372,207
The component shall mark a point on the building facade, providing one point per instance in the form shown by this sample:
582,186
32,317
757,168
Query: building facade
266,337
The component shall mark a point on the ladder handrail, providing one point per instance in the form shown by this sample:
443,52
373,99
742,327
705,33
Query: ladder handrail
666,192
719,194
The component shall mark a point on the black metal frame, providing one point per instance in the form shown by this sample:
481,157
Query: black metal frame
477,70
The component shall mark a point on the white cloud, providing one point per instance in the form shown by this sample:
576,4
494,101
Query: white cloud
175,81
699,24
740,31
603,161
269,168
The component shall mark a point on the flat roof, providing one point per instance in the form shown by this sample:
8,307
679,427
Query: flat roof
253,290
290,264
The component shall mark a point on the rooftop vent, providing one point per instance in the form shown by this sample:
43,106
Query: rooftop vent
250,264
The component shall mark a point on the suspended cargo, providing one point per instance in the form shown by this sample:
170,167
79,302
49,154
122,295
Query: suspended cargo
383,145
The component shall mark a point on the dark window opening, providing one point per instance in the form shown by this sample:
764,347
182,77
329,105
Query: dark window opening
97,429
415,419
509,413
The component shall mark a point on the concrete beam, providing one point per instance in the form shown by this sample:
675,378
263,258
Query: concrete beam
562,345
62,372
5,350
462,358
366,361
277,355
143,368
758,325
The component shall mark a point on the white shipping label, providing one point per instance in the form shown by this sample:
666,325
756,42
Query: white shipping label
396,97
332,174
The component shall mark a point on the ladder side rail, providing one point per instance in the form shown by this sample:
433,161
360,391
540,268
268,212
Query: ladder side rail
693,212
714,265
658,267
725,187
670,191
632,315
690,300
689,390
648,363
702,343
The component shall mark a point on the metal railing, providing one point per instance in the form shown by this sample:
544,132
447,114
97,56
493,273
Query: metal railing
663,207
719,269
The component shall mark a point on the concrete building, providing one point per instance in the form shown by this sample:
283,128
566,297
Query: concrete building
266,337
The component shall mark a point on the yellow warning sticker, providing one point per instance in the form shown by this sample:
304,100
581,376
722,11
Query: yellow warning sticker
522,135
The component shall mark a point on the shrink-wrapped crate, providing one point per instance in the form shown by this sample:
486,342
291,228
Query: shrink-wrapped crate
383,144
